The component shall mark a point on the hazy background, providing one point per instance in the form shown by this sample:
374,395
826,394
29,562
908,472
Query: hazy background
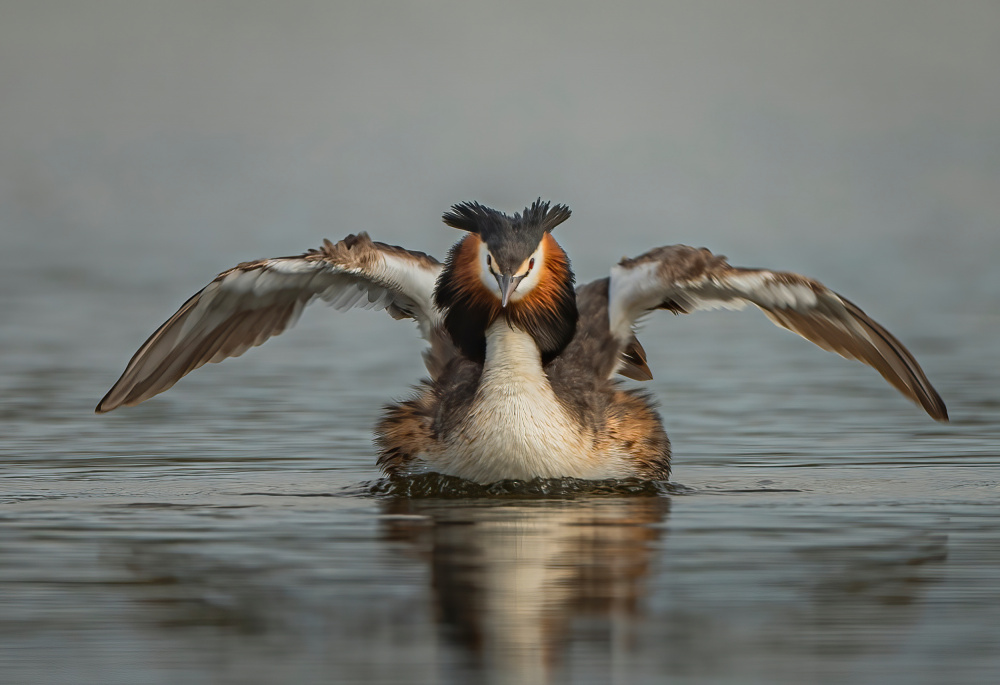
855,141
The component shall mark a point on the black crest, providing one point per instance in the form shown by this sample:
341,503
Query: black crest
483,220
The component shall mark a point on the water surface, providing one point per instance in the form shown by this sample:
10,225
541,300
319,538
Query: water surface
817,528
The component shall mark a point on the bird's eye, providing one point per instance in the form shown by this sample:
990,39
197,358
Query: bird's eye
531,264
489,260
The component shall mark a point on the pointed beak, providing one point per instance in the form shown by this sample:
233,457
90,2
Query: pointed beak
508,284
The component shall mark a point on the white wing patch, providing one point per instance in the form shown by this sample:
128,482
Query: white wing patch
632,292
415,284
635,291
764,289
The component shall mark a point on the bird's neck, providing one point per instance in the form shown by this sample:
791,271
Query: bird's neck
511,352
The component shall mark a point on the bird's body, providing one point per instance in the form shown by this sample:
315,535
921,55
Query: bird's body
522,365
510,417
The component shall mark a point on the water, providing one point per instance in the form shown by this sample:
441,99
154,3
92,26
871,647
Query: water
817,527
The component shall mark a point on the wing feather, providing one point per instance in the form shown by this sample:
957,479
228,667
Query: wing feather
250,303
684,279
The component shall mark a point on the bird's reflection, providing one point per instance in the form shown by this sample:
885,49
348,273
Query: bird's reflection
512,579
522,590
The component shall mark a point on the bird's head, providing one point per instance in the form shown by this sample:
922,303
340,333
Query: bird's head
510,251
508,266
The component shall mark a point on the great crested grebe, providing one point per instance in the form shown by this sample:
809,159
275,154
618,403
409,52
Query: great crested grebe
522,365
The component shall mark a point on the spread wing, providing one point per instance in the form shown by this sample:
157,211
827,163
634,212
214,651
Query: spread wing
248,304
684,279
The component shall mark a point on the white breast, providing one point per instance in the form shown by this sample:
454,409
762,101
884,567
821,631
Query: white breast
517,428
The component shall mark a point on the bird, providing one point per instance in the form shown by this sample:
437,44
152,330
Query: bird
522,364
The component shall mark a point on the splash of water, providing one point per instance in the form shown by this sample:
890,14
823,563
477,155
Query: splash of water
436,485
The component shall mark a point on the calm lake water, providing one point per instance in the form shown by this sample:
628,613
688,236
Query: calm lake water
818,528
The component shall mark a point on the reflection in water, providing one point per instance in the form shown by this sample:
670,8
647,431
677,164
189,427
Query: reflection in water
513,579
320,588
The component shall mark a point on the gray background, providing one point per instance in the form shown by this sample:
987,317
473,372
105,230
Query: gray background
858,142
